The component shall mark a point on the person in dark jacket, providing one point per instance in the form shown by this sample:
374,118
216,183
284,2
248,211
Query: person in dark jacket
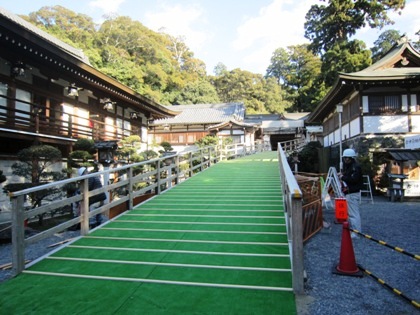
352,180
96,200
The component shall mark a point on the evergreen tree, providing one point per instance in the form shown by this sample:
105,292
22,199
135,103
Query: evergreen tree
384,43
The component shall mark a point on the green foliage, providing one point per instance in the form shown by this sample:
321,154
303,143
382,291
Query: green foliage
85,145
209,140
330,27
213,140
75,29
82,154
78,157
166,146
327,26
384,43
163,68
35,165
298,70
257,93
197,92
344,57
149,154
308,158
129,148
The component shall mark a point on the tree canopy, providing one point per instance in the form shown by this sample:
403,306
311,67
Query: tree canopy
163,68
328,25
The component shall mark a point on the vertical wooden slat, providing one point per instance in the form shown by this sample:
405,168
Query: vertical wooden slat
18,235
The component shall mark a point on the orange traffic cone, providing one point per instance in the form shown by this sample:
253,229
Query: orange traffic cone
347,265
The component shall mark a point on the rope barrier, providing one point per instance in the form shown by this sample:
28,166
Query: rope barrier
413,302
398,249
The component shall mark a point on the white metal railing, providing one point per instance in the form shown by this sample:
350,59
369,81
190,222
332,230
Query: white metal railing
292,146
134,180
294,224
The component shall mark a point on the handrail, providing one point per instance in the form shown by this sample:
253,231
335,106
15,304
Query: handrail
294,224
155,175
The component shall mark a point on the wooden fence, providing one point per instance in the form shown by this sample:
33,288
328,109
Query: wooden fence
131,181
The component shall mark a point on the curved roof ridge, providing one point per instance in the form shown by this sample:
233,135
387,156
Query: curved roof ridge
390,58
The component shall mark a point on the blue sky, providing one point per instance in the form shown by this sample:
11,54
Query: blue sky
238,33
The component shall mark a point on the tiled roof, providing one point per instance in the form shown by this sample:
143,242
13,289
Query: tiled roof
77,53
401,63
233,122
204,114
387,67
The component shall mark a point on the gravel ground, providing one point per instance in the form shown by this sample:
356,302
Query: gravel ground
326,293
33,251
396,223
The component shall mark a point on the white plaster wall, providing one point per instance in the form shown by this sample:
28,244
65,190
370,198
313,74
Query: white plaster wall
336,136
328,140
415,123
325,140
354,127
385,124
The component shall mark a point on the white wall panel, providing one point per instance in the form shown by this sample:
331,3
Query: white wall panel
415,123
385,124
355,127
413,102
336,136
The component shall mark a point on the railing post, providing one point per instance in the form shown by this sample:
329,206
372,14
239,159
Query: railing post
297,243
191,164
130,189
158,189
201,159
177,170
210,161
18,235
84,208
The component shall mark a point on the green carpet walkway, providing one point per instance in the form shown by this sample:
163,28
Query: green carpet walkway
214,244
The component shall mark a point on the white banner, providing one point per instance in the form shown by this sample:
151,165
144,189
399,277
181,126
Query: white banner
412,142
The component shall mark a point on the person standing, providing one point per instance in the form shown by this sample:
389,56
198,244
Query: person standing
352,180
95,201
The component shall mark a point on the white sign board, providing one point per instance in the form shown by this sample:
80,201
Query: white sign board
412,188
314,129
412,142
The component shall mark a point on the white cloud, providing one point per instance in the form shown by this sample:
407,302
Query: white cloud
179,20
408,22
108,6
280,24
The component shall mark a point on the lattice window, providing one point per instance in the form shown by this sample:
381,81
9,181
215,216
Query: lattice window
384,104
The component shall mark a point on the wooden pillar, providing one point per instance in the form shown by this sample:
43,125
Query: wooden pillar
18,235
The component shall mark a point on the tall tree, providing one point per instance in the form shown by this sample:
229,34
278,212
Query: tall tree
384,43
197,92
344,57
326,26
257,93
157,65
298,70
330,27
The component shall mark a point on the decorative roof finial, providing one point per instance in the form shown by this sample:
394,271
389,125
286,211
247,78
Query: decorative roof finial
403,39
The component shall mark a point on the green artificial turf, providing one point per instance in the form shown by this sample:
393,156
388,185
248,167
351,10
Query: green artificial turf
215,244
